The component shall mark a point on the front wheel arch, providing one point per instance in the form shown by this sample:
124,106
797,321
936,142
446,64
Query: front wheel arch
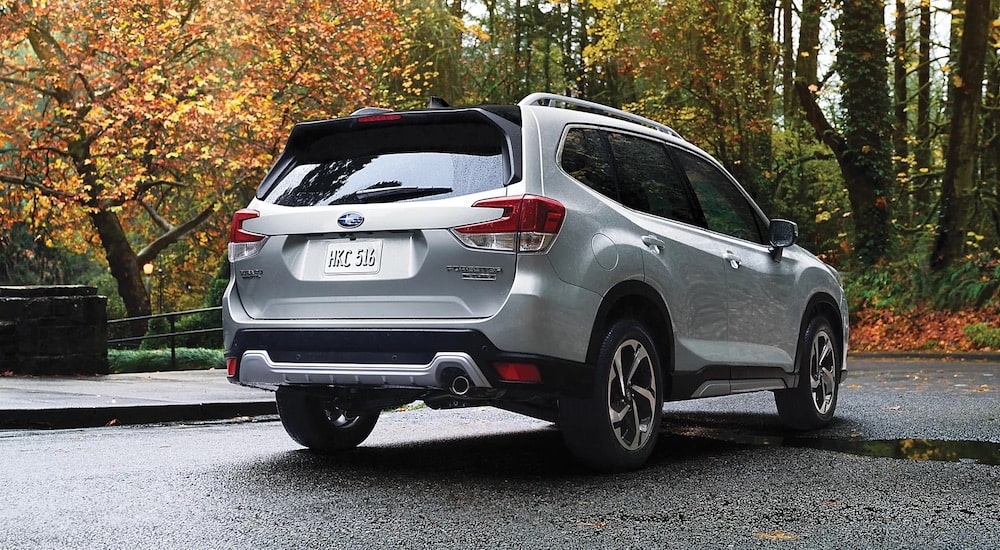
826,306
812,401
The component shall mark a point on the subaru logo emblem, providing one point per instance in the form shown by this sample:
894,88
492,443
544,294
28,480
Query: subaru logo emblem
351,220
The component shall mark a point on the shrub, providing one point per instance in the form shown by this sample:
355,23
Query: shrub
983,335
153,360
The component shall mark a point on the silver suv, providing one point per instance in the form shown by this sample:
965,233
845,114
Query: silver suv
556,258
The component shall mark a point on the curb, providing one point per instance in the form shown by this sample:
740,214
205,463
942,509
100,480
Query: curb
927,355
144,414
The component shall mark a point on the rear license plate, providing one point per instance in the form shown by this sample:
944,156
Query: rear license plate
350,257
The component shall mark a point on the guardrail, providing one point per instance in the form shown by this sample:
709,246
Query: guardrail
171,318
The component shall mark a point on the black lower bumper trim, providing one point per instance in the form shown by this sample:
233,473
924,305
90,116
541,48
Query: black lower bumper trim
411,346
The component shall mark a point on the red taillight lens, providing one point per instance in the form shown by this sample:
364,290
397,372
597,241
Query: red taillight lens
528,224
231,366
541,215
242,243
518,372
236,232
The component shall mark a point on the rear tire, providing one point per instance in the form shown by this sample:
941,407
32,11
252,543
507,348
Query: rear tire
616,428
811,404
315,423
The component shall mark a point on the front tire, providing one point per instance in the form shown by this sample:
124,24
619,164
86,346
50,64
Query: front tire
314,422
811,404
616,428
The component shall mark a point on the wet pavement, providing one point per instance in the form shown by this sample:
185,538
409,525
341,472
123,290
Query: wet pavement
140,398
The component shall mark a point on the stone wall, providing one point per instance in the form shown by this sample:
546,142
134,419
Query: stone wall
53,330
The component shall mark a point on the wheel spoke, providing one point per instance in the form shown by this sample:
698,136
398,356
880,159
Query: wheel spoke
631,394
828,381
637,359
616,371
823,372
649,399
825,356
634,430
617,416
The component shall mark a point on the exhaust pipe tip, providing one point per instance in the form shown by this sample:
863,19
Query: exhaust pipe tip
460,385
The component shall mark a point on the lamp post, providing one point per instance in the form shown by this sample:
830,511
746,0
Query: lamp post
147,270
159,283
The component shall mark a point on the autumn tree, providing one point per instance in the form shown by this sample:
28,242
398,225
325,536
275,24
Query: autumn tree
705,68
428,60
960,186
515,47
127,125
863,146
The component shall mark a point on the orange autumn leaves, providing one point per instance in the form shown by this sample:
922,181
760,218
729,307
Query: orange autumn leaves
919,330
159,112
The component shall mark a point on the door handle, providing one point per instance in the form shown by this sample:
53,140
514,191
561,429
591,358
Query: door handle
654,242
734,261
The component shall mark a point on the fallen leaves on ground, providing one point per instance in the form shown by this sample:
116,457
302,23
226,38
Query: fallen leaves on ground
917,330
778,535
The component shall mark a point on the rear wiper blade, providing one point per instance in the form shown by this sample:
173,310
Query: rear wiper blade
389,194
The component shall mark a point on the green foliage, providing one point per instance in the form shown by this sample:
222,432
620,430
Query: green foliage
156,326
968,284
809,190
200,321
889,287
196,321
901,285
983,335
123,361
207,320
27,259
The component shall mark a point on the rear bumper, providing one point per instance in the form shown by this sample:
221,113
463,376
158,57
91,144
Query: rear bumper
257,368
392,358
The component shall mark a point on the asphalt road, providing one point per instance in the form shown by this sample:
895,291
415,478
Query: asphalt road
724,475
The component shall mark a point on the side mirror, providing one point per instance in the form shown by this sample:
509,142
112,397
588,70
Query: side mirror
781,235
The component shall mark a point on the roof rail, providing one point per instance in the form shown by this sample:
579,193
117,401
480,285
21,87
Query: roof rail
556,100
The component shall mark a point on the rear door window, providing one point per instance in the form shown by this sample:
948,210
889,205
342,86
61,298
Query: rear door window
635,171
586,156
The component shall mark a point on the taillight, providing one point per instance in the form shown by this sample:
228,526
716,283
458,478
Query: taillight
242,243
518,372
379,118
231,363
528,224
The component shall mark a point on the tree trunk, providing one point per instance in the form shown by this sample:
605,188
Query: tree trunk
450,61
124,267
863,148
756,150
990,156
960,185
787,61
807,60
900,98
866,162
922,153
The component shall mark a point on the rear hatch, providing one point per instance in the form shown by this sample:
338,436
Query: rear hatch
357,219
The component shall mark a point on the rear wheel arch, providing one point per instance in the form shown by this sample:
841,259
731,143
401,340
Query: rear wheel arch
640,301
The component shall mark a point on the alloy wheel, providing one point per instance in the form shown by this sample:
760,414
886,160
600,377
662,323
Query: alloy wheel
823,371
632,394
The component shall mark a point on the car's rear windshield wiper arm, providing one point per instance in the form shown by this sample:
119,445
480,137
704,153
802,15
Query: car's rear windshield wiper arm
389,194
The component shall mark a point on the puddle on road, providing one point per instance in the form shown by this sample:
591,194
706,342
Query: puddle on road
980,452
963,451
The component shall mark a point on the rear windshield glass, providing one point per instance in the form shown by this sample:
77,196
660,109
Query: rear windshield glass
401,161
